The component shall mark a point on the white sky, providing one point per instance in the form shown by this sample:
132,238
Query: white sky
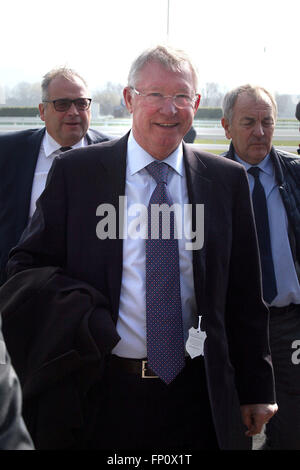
231,41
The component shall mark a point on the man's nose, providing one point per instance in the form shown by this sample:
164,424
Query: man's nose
258,129
72,109
168,106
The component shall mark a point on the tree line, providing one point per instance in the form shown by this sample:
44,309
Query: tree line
111,103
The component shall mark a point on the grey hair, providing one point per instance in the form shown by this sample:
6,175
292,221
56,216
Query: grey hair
64,72
172,59
252,90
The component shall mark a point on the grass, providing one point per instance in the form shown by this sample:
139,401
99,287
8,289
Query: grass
276,143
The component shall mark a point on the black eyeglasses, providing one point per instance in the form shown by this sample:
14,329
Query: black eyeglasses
63,104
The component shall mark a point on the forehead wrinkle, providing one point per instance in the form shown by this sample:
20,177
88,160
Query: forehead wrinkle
178,81
265,111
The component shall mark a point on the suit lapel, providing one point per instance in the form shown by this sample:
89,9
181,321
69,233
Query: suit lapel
89,138
26,166
199,190
92,138
114,164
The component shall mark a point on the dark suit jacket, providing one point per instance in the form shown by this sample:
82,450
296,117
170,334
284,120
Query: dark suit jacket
18,156
287,174
226,270
69,331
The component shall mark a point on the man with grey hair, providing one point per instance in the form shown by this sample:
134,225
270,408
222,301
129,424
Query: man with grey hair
172,352
26,156
249,117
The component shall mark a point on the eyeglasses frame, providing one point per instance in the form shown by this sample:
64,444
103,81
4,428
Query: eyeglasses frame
71,102
138,93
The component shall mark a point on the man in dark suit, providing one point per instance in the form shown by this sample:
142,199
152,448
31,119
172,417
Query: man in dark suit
26,156
177,334
274,177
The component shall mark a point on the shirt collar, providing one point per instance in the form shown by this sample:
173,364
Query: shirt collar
138,158
51,146
265,165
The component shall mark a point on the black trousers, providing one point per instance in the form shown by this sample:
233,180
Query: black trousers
146,414
283,430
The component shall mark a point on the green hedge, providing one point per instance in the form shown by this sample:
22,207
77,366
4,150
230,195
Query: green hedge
26,111
209,113
19,111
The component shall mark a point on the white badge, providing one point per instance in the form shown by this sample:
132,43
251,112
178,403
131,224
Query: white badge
195,341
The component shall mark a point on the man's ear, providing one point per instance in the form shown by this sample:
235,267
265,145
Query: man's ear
127,95
196,105
226,127
42,111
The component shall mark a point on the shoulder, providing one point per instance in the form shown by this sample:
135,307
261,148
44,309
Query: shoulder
15,145
97,137
20,136
107,152
288,163
227,177
215,162
287,157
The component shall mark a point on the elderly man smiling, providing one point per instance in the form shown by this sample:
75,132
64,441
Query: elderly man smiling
179,339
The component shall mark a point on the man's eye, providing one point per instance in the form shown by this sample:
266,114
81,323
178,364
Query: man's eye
62,102
155,95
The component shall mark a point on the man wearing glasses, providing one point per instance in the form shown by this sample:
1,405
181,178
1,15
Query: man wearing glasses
26,156
149,340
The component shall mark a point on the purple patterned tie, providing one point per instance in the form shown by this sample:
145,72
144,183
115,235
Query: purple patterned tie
165,344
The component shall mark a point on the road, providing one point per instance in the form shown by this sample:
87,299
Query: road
118,128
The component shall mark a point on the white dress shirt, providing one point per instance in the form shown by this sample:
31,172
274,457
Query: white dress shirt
131,324
288,288
48,151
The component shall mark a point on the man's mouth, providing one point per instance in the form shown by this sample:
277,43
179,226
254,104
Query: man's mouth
166,125
258,143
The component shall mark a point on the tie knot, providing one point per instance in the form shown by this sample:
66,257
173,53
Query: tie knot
64,149
158,171
254,171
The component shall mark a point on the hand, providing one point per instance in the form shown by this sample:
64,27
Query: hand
255,416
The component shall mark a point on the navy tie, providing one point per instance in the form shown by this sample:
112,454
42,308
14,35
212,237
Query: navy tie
165,344
263,234
64,149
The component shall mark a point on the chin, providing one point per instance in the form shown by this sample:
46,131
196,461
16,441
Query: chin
73,138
